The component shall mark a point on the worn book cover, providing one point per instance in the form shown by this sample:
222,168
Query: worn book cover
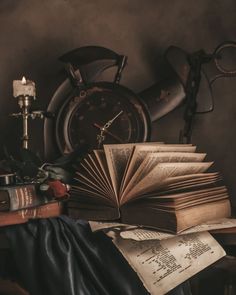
19,197
52,209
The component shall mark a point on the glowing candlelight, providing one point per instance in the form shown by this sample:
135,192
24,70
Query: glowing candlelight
23,81
24,87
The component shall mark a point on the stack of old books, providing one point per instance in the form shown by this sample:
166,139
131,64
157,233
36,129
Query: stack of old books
19,203
156,185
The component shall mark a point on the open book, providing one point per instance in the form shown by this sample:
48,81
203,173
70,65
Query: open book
158,185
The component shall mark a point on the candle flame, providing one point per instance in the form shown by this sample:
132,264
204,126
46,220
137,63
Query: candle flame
23,81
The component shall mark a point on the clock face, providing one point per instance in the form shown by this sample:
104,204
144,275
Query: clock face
101,113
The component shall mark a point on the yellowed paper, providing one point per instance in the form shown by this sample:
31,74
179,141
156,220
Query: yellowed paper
162,265
136,173
142,150
142,234
117,156
163,171
97,225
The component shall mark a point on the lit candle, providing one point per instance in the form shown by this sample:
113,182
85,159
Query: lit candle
24,88
23,81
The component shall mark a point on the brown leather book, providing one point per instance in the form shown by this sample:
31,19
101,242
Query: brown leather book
22,216
18,197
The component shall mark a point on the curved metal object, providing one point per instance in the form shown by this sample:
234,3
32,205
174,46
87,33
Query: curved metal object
63,106
93,60
163,97
85,64
219,57
50,146
169,92
87,54
89,62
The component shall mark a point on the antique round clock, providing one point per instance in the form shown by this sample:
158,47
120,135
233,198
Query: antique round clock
87,113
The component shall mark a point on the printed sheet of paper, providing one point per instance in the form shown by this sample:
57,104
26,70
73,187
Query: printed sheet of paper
162,265
99,225
141,234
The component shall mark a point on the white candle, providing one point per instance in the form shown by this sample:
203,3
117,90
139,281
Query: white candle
24,88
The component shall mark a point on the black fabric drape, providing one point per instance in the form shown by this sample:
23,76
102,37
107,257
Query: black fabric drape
60,256
63,257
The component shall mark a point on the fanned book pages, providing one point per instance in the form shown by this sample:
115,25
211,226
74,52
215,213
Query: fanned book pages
165,186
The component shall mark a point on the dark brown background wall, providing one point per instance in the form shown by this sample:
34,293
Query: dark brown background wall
34,34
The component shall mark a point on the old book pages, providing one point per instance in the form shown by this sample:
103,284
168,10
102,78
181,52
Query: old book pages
176,220
119,156
140,153
102,166
135,173
100,225
142,234
156,185
137,233
153,180
162,265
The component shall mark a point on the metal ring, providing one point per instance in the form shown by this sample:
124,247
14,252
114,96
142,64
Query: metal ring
217,52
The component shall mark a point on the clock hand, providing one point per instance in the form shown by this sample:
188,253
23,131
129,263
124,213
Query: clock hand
104,128
108,124
109,133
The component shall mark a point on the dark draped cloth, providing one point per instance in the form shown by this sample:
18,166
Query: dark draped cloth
60,256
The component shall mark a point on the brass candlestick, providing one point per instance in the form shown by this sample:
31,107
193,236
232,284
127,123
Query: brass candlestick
24,91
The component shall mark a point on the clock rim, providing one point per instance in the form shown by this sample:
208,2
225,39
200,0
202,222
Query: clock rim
58,103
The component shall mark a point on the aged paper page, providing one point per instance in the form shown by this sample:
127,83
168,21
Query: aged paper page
142,234
163,171
96,163
101,159
175,183
142,150
214,224
162,265
138,233
117,156
190,178
136,173
97,225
